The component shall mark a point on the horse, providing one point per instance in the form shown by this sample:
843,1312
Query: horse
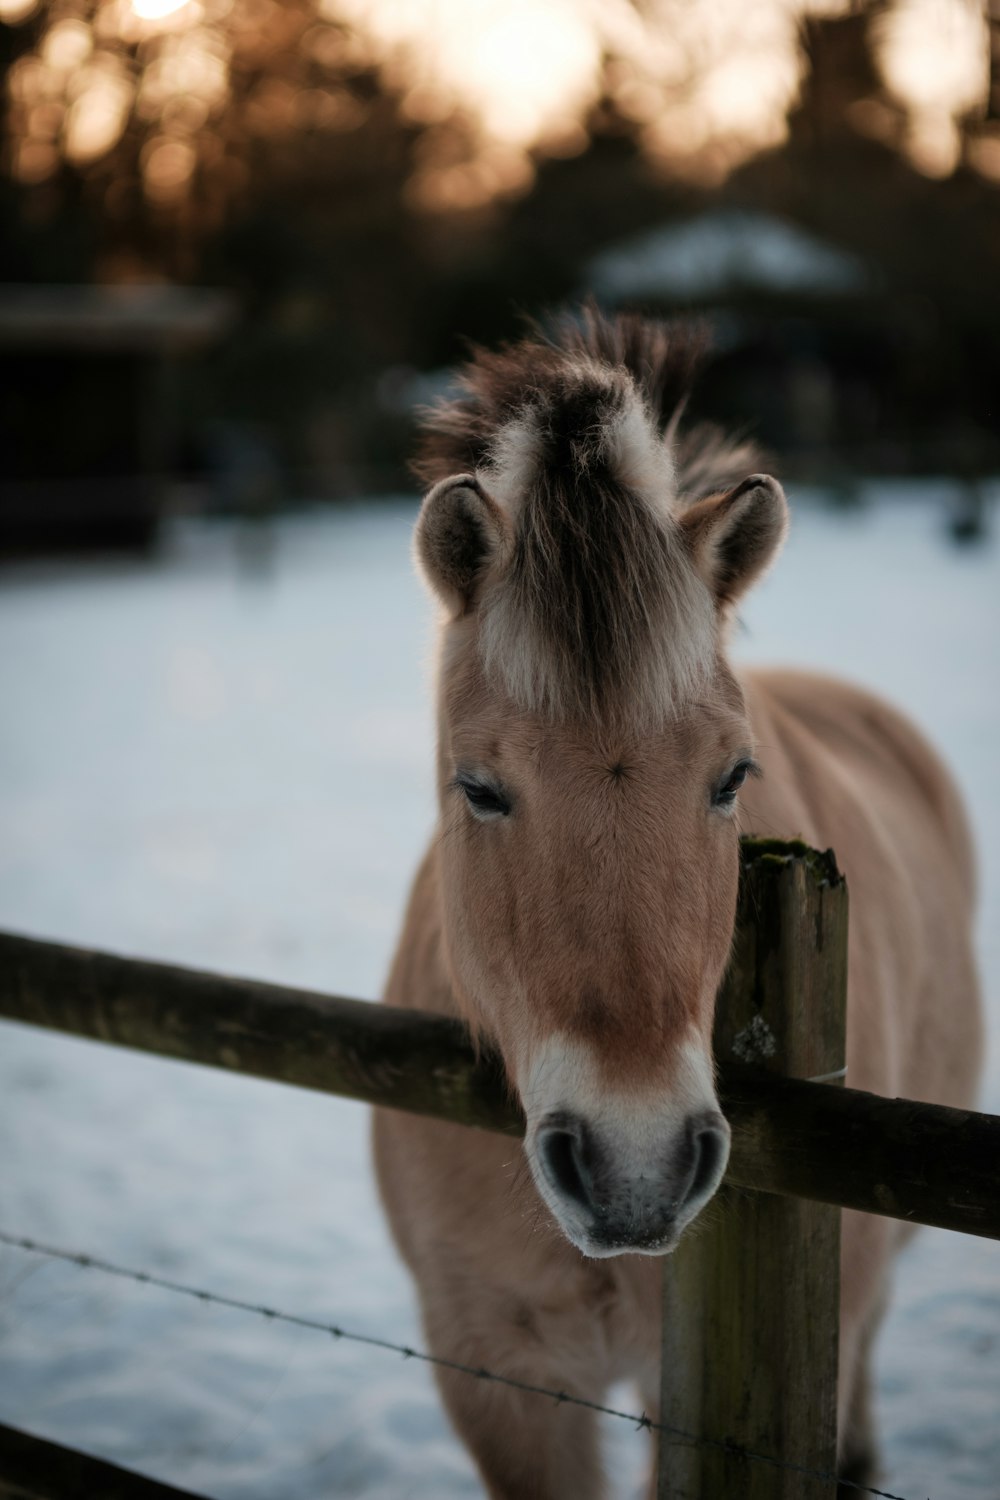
598,756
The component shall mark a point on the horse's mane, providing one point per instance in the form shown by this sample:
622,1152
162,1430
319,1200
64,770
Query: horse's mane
660,359
599,612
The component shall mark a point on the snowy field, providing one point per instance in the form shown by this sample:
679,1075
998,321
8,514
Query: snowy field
226,763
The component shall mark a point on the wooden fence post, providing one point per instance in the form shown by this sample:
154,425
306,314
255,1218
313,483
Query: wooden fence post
751,1296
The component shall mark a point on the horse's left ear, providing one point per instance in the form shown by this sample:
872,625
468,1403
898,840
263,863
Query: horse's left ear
734,537
461,533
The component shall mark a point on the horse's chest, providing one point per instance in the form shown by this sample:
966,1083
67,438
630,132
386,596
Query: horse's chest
622,1306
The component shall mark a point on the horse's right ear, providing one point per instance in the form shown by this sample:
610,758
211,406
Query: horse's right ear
461,531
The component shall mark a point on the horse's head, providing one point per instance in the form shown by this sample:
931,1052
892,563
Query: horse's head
592,743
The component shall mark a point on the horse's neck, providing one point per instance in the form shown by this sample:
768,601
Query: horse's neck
776,806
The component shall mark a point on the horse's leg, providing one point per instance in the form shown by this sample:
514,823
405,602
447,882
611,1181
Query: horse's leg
500,1291
859,1447
859,1461
867,1244
527,1447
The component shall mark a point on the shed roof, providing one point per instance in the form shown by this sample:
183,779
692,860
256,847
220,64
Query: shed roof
723,252
150,318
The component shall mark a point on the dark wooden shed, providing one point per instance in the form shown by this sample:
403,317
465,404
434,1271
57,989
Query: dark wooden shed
86,407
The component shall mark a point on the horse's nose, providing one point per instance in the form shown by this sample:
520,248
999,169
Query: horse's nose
620,1198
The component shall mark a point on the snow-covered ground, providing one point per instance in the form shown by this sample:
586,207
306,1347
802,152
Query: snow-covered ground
227,764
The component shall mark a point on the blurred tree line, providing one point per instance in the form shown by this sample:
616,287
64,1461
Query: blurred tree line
367,228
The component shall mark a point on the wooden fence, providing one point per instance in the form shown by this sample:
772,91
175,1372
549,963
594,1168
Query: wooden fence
751,1298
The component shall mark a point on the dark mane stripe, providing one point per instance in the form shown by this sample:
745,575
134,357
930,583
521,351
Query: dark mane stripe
659,360
597,610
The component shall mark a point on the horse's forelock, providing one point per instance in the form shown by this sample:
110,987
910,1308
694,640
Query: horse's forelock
599,611
600,614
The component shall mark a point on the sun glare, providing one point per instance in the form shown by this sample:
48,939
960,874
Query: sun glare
936,54
529,64
520,66
156,10
13,12
97,117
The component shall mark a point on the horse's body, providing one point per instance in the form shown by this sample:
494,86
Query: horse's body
590,952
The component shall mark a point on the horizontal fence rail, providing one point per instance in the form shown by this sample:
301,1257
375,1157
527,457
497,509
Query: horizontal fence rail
922,1163
31,1468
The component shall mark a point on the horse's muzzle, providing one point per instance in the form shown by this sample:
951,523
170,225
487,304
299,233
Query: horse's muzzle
611,1198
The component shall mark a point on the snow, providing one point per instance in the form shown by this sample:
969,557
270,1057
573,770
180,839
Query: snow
223,758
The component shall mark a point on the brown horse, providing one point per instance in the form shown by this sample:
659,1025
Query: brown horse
597,757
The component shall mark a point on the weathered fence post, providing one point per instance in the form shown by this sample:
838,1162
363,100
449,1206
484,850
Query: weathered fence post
751,1297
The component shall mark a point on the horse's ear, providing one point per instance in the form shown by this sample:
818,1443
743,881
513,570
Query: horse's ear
734,537
461,531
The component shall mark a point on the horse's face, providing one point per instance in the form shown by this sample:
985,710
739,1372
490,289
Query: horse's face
589,880
589,887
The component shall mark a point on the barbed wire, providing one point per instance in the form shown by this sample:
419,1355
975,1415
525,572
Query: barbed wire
639,1420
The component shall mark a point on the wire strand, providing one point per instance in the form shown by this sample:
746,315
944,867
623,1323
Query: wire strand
639,1420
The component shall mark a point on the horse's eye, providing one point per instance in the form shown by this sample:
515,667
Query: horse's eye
725,793
485,801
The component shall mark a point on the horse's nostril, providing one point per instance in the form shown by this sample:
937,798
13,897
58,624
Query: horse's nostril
566,1157
709,1144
